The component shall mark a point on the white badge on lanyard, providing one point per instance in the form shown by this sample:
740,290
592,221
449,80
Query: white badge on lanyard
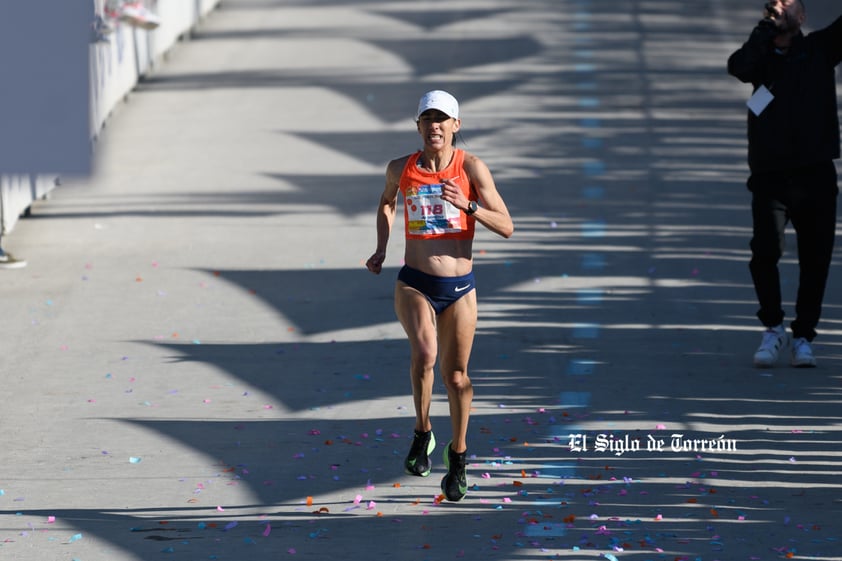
760,100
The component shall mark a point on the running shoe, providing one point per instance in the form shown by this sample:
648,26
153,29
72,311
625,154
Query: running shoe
454,485
418,460
802,353
774,339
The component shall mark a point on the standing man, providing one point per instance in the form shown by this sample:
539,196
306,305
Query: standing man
793,140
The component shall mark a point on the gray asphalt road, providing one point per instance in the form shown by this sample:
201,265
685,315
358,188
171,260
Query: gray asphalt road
197,365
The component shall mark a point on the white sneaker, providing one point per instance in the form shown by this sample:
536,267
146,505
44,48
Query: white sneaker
8,261
138,15
774,339
802,353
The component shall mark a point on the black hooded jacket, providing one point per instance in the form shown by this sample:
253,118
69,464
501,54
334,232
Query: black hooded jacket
800,126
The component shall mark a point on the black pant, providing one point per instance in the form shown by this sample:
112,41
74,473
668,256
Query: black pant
806,198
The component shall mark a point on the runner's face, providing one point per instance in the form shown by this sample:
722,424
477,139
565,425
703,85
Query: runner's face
437,128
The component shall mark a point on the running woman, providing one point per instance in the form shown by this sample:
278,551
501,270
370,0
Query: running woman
445,192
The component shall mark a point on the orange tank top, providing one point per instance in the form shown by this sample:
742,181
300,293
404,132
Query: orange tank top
426,214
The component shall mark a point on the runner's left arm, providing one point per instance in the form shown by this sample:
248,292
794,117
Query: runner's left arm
492,211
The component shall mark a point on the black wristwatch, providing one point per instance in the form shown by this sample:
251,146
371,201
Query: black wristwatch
472,208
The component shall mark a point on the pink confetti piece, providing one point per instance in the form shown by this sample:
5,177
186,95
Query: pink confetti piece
291,551
267,531
371,505
51,520
660,427
358,499
220,509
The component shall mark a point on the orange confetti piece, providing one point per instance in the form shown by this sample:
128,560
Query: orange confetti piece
138,279
396,485
692,501
517,483
523,473
569,519
714,513
309,501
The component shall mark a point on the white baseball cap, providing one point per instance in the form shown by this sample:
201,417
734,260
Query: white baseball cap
441,100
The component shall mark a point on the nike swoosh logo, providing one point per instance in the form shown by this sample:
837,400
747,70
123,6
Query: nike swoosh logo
462,288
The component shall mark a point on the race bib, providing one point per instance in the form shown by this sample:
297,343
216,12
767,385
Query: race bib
428,213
